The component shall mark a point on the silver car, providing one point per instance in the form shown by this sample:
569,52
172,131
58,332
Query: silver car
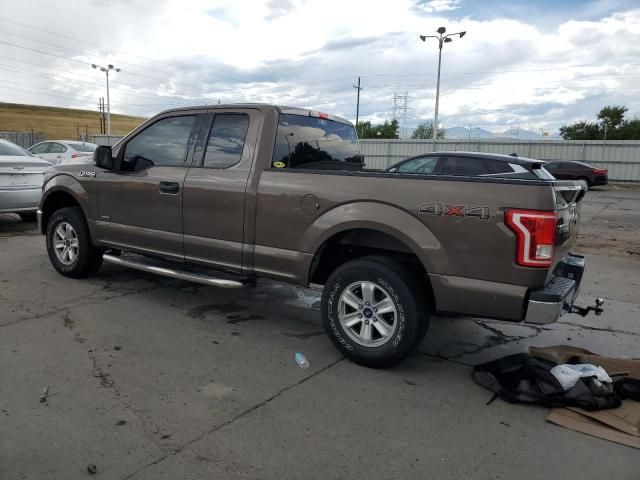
21,178
64,151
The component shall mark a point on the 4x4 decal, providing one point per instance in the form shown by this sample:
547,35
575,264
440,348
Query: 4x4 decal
443,209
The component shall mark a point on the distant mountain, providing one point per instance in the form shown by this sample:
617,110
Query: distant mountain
512,134
463,133
519,133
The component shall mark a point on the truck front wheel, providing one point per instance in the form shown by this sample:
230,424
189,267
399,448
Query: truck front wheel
69,244
374,311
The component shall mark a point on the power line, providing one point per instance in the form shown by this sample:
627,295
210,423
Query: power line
105,48
73,59
76,96
570,67
118,92
86,63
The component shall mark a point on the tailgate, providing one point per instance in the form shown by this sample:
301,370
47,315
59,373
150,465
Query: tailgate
568,196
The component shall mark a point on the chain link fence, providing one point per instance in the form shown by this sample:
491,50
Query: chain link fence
24,139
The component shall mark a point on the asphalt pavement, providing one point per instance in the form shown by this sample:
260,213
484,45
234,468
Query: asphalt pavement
151,378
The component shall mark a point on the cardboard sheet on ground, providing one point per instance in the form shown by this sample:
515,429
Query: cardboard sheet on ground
598,424
620,425
564,353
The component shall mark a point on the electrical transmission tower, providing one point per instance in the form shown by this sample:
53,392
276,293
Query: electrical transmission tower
400,107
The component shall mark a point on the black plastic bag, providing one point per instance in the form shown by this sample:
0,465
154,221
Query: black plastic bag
521,378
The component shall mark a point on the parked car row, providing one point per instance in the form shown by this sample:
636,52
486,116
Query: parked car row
22,172
501,166
21,179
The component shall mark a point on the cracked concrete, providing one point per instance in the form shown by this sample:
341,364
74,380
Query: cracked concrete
158,379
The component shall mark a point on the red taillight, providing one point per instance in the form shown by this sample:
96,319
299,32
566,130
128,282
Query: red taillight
600,171
536,233
74,155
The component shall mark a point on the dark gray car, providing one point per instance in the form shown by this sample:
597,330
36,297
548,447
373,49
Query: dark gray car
472,164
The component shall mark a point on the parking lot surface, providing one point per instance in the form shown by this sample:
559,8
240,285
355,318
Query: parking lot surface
151,378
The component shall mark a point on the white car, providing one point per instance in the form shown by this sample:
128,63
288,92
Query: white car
63,151
21,178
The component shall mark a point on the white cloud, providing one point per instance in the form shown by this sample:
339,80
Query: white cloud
433,6
505,71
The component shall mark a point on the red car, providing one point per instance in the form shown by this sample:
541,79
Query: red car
578,171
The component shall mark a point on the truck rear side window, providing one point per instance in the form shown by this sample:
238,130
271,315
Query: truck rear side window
226,140
315,144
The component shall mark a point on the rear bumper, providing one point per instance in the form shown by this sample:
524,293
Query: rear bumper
20,199
600,180
549,303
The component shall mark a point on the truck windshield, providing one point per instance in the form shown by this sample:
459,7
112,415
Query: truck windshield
315,144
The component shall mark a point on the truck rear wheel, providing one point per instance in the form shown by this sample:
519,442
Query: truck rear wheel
69,244
374,312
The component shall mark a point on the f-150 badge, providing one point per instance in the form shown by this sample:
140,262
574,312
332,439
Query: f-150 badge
87,173
446,210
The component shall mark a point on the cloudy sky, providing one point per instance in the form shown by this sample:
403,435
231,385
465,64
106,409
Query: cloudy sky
527,64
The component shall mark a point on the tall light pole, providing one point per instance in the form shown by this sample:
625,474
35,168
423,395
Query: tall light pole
442,39
106,70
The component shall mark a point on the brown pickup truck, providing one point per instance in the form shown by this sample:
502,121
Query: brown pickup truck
227,194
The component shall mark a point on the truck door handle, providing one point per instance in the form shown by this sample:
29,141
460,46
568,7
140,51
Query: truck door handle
169,187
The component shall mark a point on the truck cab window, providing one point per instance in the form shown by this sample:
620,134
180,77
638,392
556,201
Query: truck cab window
306,142
164,143
226,140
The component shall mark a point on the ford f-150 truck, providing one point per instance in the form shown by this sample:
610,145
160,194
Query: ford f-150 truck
223,195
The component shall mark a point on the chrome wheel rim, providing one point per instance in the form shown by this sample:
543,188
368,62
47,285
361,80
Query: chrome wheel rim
65,243
367,313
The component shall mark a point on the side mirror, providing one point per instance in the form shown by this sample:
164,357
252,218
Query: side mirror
103,157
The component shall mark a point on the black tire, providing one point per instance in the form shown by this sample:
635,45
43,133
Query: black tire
88,259
29,217
586,180
405,288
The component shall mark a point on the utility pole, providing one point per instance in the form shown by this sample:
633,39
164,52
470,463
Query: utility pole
106,70
442,39
358,88
101,110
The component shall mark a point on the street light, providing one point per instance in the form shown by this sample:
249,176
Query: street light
106,70
442,39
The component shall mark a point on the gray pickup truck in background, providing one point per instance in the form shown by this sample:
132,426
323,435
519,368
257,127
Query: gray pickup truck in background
226,194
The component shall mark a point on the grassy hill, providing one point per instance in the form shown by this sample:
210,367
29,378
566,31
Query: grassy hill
60,123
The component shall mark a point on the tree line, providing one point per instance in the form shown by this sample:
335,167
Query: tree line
611,124
391,129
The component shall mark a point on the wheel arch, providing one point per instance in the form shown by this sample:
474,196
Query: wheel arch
367,228
59,192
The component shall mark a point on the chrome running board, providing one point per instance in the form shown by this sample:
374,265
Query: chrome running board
173,273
